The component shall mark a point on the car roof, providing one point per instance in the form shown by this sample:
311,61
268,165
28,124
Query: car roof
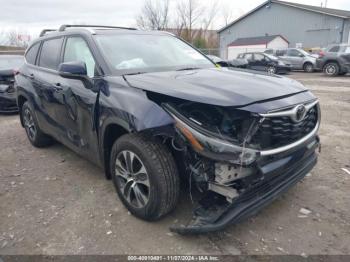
98,31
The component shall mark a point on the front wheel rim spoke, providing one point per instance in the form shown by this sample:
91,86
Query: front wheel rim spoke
140,198
120,170
128,187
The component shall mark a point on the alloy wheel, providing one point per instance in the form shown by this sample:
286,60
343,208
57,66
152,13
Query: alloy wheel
29,124
271,70
330,69
309,68
133,178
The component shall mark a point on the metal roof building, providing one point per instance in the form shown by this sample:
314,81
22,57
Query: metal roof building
305,25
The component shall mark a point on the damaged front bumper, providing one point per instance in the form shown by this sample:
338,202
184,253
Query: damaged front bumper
277,174
247,179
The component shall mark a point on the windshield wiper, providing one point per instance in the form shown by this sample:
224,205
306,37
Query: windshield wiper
135,73
188,68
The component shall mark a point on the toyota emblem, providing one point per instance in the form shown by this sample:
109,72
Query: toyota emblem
300,113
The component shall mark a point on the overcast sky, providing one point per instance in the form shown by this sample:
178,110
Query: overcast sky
33,15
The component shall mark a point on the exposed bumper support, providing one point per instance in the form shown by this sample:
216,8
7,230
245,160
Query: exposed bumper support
277,180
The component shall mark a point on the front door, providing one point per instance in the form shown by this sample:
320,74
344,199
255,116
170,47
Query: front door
260,62
77,104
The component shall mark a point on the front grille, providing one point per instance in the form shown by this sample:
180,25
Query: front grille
275,132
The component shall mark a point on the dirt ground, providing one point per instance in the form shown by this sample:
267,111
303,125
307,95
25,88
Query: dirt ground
54,202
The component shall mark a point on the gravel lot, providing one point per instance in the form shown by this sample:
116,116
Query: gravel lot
54,202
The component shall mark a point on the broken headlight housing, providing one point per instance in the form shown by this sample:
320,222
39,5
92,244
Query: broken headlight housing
215,145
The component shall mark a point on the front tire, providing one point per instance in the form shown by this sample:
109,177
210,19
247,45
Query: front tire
36,137
331,69
145,176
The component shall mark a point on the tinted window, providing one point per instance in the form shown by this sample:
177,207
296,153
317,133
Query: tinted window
32,53
50,51
259,57
77,50
335,49
293,52
248,57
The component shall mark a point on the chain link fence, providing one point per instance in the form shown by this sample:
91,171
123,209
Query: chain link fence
212,51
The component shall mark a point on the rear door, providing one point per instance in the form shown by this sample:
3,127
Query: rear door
76,108
45,80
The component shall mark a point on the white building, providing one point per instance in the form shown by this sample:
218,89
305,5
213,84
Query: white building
256,44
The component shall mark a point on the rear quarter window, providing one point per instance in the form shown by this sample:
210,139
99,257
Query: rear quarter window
50,52
32,53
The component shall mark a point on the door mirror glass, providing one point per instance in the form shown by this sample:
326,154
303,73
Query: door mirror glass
73,70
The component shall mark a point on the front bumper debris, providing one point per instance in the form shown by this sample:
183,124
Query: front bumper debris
279,174
8,103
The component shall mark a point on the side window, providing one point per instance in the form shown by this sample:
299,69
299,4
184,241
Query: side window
32,53
249,57
78,50
293,52
259,57
50,52
334,49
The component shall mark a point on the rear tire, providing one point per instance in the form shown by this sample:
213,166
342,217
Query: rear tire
331,69
36,137
308,67
145,176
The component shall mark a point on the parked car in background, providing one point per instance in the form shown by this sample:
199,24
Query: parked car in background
335,61
265,62
234,63
217,60
297,58
8,66
150,109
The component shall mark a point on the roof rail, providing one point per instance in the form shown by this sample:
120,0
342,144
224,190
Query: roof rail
64,27
43,32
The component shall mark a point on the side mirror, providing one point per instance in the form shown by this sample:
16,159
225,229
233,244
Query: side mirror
76,70
301,55
73,70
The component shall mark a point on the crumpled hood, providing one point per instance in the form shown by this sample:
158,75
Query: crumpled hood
217,86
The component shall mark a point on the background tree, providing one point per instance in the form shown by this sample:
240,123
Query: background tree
154,15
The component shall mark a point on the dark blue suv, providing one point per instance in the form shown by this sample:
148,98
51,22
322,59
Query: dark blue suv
151,110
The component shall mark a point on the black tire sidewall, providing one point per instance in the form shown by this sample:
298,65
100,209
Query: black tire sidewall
25,106
148,212
40,139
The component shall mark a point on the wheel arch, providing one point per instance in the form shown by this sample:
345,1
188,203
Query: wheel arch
110,134
306,63
21,99
330,61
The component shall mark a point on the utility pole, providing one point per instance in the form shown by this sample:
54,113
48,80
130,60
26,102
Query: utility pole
325,3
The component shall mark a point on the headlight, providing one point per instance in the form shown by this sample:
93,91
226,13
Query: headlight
215,148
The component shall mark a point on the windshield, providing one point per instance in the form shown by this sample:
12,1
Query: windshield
271,56
138,53
9,62
303,52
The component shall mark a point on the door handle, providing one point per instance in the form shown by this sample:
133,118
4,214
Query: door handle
58,87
